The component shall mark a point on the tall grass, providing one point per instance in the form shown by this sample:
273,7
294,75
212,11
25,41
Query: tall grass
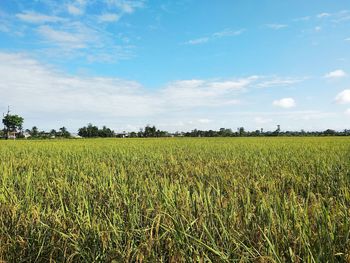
175,200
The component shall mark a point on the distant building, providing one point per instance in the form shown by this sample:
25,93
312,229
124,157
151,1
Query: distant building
26,135
75,136
11,135
122,135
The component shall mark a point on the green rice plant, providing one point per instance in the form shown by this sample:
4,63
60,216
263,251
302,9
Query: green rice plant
175,200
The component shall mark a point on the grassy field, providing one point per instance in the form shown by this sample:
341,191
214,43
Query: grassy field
175,200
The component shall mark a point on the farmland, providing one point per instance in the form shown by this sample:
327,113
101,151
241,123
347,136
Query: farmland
175,200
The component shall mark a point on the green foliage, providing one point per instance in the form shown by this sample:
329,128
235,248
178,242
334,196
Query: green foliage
241,131
34,132
105,132
12,122
92,131
175,200
152,131
63,132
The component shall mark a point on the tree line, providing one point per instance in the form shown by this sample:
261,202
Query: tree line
13,128
241,132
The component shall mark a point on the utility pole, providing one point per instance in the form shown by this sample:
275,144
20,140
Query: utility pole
3,116
278,130
8,113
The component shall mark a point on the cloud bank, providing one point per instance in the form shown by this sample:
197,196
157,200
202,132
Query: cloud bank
285,103
43,94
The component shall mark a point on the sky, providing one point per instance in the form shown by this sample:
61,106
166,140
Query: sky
179,65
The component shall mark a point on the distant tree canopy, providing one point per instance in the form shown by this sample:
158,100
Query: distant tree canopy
12,123
91,131
63,132
105,132
36,134
152,131
329,132
242,133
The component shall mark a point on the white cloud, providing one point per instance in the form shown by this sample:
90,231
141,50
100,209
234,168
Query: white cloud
71,40
46,96
76,40
109,17
185,94
276,26
318,28
304,18
38,18
34,88
216,35
285,103
126,6
228,33
67,38
343,97
205,121
322,15
232,84
336,17
77,7
341,16
262,120
74,10
347,112
339,73
198,41
276,81
290,119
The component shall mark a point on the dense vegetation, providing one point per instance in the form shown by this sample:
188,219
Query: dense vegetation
91,131
241,132
177,200
13,129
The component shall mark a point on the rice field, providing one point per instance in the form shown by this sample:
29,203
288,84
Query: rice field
175,200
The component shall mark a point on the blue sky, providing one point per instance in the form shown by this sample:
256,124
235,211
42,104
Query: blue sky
178,65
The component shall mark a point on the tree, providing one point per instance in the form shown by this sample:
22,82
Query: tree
93,131
224,132
140,133
13,123
133,135
63,132
89,131
241,131
277,131
105,132
34,132
150,131
53,133
329,132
